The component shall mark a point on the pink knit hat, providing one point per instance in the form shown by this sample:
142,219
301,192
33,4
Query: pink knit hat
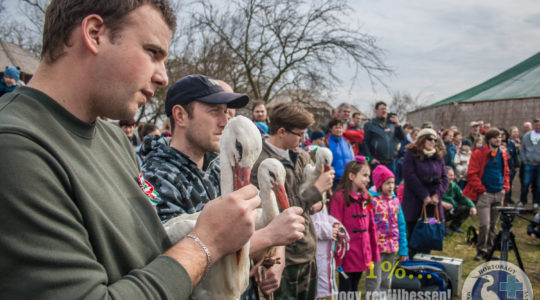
380,175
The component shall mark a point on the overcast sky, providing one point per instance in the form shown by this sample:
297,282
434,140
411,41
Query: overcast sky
439,48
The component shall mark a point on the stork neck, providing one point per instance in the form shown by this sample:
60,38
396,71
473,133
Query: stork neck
226,182
269,205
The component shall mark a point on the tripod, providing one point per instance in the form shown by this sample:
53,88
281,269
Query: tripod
505,238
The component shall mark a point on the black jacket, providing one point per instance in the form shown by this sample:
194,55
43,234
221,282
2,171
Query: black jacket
381,140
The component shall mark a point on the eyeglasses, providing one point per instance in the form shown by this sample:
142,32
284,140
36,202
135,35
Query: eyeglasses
431,139
298,134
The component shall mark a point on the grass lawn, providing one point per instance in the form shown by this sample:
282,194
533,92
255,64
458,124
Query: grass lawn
529,250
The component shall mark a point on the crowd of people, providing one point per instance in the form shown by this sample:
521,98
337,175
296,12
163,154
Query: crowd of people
91,222
441,170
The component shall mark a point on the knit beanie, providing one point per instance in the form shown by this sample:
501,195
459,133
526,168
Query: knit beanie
380,175
317,135
426,131
12,72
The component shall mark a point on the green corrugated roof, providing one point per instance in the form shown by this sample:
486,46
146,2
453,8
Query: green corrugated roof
520,81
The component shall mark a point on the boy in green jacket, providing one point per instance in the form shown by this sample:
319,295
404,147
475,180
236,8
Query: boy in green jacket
457,207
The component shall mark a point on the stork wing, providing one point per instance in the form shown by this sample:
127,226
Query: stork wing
177,228
310,176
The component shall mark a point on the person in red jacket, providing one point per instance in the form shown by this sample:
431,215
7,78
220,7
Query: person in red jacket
351,205
487,182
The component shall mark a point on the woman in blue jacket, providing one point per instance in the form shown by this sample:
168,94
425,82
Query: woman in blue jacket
451,150
341,150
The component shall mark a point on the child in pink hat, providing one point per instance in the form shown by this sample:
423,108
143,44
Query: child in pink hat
391,229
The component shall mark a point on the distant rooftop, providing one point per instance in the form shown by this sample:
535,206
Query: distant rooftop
520,81
13,55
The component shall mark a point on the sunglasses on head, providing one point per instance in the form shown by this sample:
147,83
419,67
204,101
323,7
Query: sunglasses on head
431,139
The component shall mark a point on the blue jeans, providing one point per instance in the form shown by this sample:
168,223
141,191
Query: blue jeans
531,175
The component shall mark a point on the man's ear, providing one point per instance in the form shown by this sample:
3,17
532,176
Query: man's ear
281,131
93,31
180,115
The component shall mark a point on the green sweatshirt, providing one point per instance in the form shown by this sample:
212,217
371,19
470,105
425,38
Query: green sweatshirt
455,197
74,222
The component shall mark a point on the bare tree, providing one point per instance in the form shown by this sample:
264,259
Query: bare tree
25,33
404,102
277,45
34,11
262,48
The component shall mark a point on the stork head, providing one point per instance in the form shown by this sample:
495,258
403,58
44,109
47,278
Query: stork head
271,175
324,157
487,277
240,145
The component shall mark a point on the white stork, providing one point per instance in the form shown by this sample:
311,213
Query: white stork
240,145
323,163
271,177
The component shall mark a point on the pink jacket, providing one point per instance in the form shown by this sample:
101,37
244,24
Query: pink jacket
359,222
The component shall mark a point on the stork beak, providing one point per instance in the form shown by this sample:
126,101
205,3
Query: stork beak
241,179
281,196
241,176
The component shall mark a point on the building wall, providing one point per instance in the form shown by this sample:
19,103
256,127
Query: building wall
500,113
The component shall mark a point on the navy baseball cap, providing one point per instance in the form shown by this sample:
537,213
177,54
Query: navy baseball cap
203,89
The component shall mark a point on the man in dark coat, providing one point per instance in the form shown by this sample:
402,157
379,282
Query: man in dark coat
382,135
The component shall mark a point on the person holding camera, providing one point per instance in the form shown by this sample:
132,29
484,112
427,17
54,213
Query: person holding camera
382,135
487,182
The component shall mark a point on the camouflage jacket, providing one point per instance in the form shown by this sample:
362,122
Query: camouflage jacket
181,185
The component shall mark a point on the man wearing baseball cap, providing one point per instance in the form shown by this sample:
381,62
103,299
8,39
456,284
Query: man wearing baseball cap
474,132
185,170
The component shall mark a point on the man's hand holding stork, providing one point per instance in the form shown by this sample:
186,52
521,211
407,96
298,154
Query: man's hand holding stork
223,227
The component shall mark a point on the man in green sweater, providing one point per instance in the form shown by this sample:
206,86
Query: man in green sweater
457,207
75,222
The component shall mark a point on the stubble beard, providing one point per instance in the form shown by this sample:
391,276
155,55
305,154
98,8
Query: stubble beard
202,145
494,146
